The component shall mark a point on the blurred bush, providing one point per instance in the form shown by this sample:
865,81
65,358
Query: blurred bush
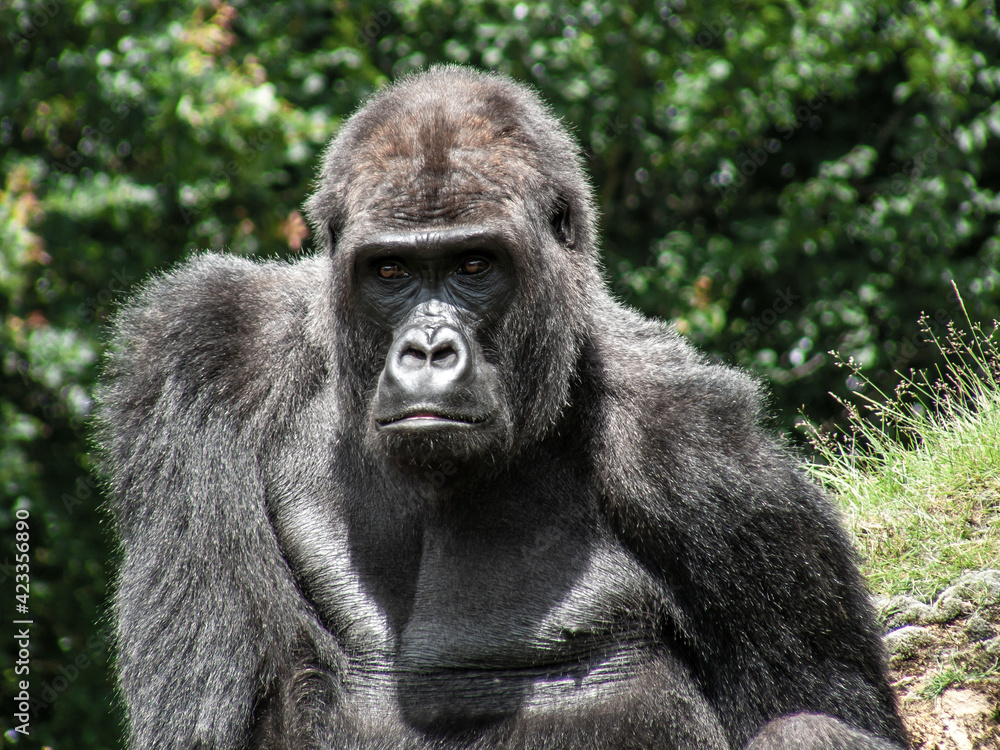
781,180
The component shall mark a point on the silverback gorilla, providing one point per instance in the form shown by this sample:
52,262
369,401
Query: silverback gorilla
434,488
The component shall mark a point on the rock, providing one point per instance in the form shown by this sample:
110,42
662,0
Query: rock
897,611
949,608
961,712
979,588
978,629
906,642
970,592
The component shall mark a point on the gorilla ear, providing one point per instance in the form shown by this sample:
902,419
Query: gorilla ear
561,221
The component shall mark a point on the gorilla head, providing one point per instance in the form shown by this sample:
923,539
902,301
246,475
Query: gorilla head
452,240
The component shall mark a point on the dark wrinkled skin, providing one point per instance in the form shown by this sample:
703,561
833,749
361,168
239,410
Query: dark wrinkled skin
434,488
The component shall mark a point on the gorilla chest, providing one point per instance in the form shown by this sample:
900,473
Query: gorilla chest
508,604
529,614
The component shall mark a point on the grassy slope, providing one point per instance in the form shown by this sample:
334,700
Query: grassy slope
923,514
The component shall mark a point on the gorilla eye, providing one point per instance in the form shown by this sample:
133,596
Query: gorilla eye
391,271
472,266
562,224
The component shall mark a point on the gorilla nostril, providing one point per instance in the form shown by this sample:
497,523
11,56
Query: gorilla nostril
446,356
413,356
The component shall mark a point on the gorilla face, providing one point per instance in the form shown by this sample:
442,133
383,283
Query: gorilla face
436,295
451,241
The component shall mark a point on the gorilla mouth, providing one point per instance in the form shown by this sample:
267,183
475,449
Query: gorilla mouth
429,419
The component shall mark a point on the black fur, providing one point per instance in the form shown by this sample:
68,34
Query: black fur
623,557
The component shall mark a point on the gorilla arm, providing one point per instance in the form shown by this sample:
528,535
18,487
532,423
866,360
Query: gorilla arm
776,616
206,605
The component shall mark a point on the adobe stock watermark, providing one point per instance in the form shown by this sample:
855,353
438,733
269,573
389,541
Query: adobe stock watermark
784,299
193,201
94,308
85,496
911,345
612,129
435,479
370,31
38,19
729,181
936,325
708,32
93,137
52,689
902,178
893,20
22,621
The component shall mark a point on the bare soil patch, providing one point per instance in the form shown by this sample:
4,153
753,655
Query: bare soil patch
944,661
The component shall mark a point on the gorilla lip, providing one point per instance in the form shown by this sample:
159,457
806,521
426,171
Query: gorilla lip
429,417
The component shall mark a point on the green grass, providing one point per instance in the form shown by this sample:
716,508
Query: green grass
917,473
955,674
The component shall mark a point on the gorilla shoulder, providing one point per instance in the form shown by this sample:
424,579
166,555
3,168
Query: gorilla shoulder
213,329
679,392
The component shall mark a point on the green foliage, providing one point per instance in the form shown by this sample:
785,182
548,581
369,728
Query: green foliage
782,179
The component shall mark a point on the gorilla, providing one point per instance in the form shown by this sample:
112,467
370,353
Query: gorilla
433,487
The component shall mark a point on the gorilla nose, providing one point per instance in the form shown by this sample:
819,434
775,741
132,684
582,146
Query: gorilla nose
443,354
429,362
